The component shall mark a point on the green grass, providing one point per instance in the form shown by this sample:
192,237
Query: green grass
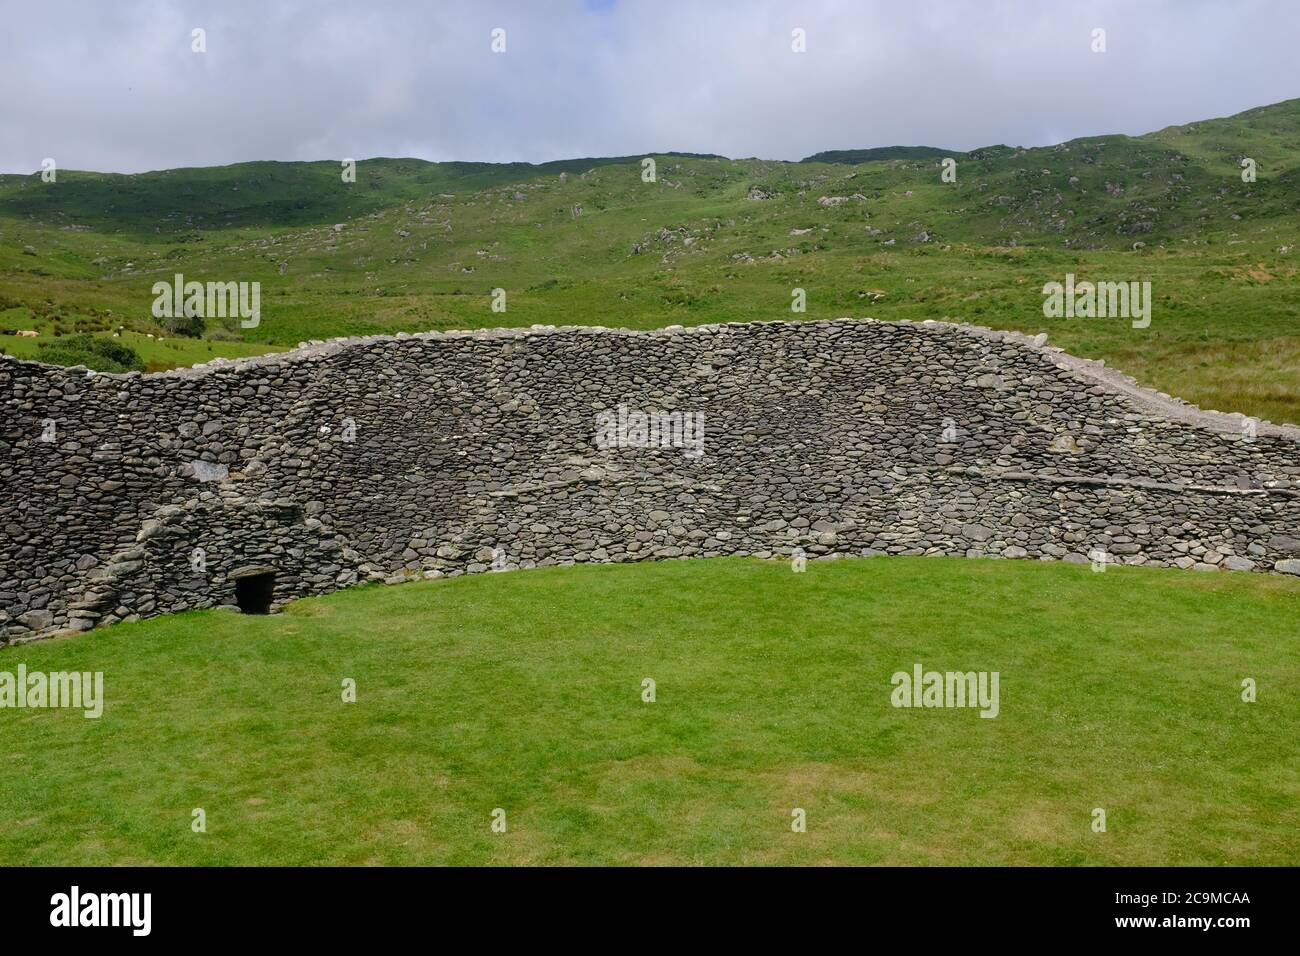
522,691
424,244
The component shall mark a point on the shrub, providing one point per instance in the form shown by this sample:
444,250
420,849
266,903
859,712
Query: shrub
187,326
219,333
101,354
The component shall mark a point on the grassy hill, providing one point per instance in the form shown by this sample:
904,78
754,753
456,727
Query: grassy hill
523,691
413,245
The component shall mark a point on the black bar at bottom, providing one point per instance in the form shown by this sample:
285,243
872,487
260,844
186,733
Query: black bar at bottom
333,906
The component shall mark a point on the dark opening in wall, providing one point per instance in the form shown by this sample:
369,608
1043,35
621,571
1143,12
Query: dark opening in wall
253,592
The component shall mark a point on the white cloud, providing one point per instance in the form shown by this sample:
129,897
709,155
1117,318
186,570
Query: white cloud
114,86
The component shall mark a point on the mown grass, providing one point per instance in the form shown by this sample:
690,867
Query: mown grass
523,691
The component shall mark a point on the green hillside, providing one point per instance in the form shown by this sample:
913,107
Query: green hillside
413,245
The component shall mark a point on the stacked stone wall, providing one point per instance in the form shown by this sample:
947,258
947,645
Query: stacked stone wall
389,458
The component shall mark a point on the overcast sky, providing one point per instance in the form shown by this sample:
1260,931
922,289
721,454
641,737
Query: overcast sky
113,85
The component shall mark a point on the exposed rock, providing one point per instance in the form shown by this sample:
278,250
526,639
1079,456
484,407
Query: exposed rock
37,620
1064,444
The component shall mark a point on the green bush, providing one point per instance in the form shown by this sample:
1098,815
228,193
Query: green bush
101,354
219,333
188,326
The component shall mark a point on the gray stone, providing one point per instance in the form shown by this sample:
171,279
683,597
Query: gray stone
824,435
36,620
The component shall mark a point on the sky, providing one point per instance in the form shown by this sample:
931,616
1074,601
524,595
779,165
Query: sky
116,85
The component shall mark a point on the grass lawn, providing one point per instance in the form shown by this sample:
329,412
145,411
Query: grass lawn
523,691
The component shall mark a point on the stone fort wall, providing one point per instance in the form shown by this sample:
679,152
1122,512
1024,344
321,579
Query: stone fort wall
385,458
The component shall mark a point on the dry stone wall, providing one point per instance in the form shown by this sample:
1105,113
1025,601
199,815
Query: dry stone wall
439,454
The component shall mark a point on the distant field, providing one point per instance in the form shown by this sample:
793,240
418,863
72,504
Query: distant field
414,246
523,691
